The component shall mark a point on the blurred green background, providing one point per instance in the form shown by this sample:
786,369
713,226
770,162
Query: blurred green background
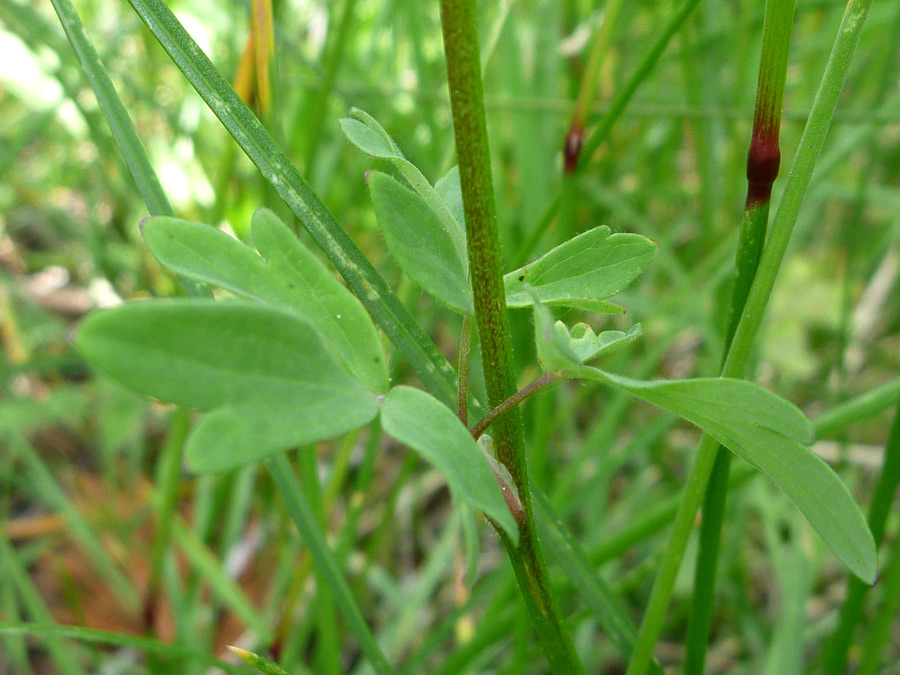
78,455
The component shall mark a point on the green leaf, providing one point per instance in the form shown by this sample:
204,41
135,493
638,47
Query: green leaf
279,385
422,422
370,137
244,433
420,243
293,279
449,189
275,166
592,266
771,434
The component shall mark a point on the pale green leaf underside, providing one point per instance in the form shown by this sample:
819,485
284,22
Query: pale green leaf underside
771,434
287,276
279,385
592,266
244,433
420,244
420,421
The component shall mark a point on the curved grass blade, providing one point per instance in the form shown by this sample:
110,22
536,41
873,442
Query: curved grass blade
123,130
104,637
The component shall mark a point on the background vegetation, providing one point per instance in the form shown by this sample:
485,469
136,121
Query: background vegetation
86,541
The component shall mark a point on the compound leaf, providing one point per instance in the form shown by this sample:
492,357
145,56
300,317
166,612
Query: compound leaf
771,434
293,279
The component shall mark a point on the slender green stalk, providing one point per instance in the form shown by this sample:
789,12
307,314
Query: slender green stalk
879,630
835,657
123,130
327,643
168,473
35,606
313,113
304,517
763,159
462,387
811,143
459,24
514,401
365,281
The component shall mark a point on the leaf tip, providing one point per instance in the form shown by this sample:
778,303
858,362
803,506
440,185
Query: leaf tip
241,653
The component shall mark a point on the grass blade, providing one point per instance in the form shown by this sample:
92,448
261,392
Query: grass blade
305,519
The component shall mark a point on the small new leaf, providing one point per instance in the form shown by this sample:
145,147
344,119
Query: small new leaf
370,137
560,350
423,423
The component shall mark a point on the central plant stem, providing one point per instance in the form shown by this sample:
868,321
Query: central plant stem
460,29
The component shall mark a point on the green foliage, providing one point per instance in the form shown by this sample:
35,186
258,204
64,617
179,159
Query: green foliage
299,357
582,272
266,371
420,243
758,426
284,275
420,421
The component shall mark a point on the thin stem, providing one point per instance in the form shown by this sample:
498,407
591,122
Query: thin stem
460,29
513,401
811,143
763,159
462,389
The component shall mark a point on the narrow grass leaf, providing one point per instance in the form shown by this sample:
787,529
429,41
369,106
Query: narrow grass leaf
771,434
420,421
102,637
607,608
326,564
419,242
592,266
